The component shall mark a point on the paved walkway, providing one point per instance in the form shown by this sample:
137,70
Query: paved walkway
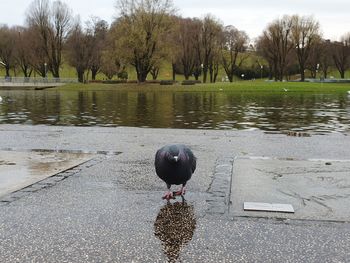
29,85
109,209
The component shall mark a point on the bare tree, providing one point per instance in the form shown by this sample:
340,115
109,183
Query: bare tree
80,49
51,22
214,63
111,64
7,48
341,54
313,62
37,56
320,58
98,29
326,60
199,54
234,43
141,32
277,39
23,50
264,49
305,35
186,35
211,30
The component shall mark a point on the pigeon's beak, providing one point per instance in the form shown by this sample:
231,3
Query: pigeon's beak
176,158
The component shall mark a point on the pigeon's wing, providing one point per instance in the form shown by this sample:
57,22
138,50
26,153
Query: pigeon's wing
158,159
192,159
193,164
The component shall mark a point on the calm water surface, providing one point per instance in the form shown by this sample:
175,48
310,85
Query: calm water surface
271,112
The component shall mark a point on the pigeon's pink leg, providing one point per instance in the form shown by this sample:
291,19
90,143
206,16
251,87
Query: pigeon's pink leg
182,191
168,195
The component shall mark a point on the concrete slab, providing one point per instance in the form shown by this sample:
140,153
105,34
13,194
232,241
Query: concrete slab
317,189
20,169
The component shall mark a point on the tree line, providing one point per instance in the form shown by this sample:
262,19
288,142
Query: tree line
148,33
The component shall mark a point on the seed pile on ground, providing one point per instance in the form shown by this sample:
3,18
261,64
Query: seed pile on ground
174,226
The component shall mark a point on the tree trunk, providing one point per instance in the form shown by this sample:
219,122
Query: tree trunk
211,73
93,73
173,66
187,72
313,74
325,74
142,76
80,74
7,71
302,73
230,77
216,71
205,73
197,72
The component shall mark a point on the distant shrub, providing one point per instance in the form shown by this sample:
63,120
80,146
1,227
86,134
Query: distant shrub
167,82
190,82
153,81
123,75
114,81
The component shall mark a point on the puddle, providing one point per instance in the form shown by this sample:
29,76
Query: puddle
60,151
21,169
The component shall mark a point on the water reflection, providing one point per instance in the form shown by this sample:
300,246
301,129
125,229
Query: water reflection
174,226
271,112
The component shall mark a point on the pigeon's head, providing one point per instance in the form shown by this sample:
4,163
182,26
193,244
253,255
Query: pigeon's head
174,155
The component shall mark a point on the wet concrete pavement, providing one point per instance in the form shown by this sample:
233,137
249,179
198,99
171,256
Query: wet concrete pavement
317,189
109,209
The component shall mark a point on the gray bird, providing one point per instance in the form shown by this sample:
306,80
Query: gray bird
175,164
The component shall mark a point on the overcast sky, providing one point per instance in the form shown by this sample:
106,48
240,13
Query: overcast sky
251,16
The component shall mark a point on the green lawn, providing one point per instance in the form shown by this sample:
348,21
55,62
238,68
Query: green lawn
165,72
241,86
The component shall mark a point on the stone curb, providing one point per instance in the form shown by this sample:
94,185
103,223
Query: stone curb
220,188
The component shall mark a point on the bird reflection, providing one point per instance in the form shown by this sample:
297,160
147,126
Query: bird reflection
174,226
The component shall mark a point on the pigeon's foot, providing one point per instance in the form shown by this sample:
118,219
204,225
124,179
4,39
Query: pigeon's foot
181,192
168,195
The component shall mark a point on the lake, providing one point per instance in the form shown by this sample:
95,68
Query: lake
276,112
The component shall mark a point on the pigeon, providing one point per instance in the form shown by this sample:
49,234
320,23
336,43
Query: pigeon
175,164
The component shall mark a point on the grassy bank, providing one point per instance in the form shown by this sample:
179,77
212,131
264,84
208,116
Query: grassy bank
239,86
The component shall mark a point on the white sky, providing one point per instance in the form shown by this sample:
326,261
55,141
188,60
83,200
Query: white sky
251,16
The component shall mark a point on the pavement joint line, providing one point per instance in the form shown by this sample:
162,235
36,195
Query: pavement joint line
220,187
50,181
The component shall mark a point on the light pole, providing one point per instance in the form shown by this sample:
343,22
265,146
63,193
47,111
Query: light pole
45,71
